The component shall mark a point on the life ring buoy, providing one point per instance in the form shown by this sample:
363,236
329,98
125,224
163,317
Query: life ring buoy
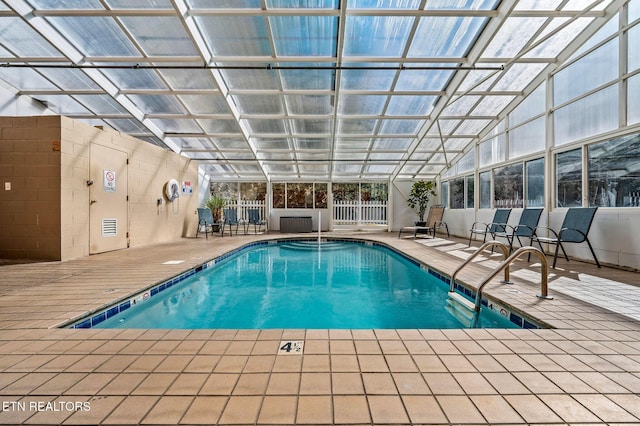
172,190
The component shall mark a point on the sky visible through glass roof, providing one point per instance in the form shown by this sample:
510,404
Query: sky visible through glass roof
276,89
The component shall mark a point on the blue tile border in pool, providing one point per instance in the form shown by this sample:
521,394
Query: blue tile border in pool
101,315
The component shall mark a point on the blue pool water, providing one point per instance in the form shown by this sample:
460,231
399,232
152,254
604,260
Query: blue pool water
297,284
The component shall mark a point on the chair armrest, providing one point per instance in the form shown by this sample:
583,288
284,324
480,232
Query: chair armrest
584,237
538,237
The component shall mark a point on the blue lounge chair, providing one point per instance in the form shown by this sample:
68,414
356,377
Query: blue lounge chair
255,220
498,224
525,228
205,220
575,228
230,219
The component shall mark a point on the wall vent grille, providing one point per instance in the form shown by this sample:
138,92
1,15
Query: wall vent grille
109,227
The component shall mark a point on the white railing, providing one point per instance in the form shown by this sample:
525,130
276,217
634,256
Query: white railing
360,212
242,206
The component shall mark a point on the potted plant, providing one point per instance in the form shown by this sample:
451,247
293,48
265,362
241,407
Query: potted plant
216,204
421,192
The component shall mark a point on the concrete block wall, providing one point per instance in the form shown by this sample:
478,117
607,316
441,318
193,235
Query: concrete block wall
30,166
45,215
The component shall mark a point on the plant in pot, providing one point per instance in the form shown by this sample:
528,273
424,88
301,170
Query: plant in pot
421,193
216,204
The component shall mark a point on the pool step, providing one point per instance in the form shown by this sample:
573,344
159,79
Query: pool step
462,308
311,245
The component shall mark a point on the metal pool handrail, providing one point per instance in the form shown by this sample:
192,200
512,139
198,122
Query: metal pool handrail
493,243
544,273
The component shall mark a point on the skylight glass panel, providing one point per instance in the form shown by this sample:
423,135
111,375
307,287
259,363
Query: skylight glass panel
224,4
279,168
518,76
363,79
313,168
250,79
95,35
177,125
514,35
410,105
166,36
457,144
492,105
460,105
311,126
304,35
266,126
312,156
423,80
139,4
157,104
609,28
25,79
446,127
400,127
252,104
352,144
474,77
462,4
135,78
312,143
189,79
380,168
235,35
383,36
410,169
537,4
275,155
386,156
384,4
347,168
63,105
220,126
230,143
263,144
445,36
70,79
428,144
127,125
559,41
392,144
310,76
205,104
309,104
101,104
532,105
356,127
66,4
22,40
584,4
302,4
472,127
361,104
193,143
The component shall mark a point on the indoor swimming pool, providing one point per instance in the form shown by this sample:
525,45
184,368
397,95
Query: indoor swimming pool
297,284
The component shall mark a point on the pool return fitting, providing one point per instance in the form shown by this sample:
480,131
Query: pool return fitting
503,266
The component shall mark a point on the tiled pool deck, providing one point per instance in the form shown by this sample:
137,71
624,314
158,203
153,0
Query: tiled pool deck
586,370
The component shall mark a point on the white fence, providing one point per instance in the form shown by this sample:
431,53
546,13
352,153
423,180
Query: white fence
243,205
360,212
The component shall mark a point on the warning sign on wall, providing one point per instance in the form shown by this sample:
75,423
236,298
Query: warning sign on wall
187,189
109,180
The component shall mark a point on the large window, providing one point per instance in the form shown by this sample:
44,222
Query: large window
633,100
470,192
457,193
614,172
534,176
507,186
299,195
445,194
485,190
569,178
528,138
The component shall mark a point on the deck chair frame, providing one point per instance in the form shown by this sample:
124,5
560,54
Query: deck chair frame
526,227
205,219
433,223
253,218
497,225
230,219
575,229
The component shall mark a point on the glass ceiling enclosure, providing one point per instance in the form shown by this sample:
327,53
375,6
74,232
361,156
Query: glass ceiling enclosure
277,89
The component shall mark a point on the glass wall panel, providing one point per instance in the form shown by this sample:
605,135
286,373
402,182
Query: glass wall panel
485,190
534,176
374,191
614,172
633,100
533,105
278,195
466,162
321,194
569,178
492,151
299,195
589,116
457,193
634,48
226,190
634,10
588,72
445,194
527,138
253,191
344,192
469,191
508,186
